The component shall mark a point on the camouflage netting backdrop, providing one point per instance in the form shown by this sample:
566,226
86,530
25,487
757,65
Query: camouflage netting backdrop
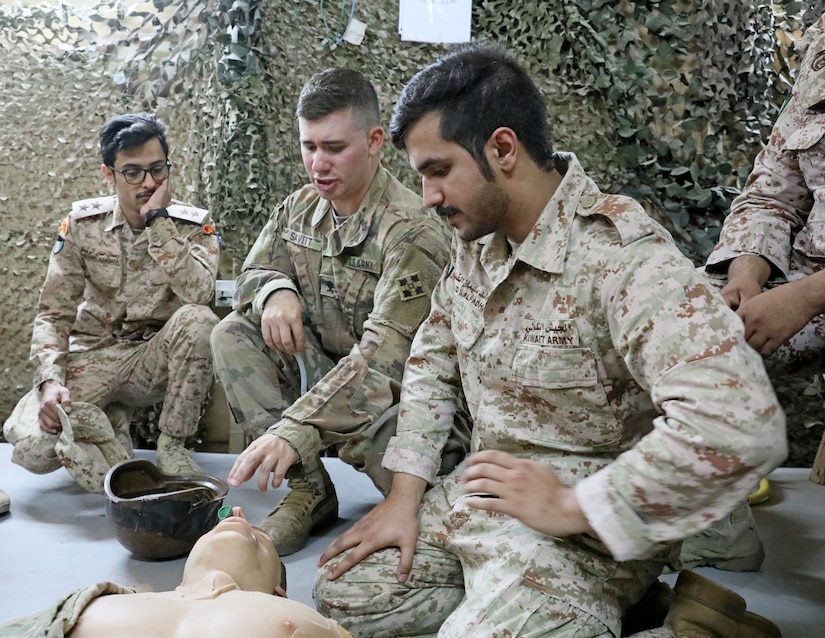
666,101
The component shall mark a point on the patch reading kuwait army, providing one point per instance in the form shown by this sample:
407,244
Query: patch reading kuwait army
559,332
410,286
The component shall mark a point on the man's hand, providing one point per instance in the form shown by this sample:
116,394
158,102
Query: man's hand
269,454
282,322
524,489
52,393
747,274
391,523
160,198
776,315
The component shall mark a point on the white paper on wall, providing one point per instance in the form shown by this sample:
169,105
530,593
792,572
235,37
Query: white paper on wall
437,21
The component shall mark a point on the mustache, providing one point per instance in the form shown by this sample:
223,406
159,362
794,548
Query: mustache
445,211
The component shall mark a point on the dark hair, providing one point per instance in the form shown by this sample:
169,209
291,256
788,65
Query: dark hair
334,89
476,89
130,130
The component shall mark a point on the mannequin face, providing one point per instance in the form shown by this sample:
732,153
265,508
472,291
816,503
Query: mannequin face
244,552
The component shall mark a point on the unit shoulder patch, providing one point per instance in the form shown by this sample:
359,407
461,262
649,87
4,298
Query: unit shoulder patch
410,286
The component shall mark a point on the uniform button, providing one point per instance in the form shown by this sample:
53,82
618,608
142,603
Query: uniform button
588,200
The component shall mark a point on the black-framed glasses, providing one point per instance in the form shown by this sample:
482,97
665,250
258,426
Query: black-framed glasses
136,176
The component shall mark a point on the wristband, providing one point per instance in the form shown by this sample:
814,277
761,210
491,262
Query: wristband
153,214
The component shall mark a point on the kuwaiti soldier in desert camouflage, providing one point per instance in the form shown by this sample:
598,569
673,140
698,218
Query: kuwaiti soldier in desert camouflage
123,318
769,264
771,251
342,274
616,407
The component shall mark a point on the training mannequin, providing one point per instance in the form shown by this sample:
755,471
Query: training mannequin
230,586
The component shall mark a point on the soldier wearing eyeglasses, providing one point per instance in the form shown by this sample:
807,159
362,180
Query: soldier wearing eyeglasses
123,319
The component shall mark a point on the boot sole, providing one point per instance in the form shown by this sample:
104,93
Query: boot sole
760,627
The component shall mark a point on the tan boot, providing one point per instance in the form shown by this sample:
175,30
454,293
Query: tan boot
310,504
174,458
650,611
705,609
5,502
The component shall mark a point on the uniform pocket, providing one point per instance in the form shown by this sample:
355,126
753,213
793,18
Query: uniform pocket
555,368
104,274
359,299
467,324
569,408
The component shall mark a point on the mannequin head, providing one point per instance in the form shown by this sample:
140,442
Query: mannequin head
237,550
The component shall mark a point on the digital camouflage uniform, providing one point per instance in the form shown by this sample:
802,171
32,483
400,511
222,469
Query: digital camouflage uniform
123,318
780,214
365,288
594,347
58,620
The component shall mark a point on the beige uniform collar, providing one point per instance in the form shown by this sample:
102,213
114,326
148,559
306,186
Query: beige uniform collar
355,231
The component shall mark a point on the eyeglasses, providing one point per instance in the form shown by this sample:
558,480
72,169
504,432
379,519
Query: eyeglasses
136,176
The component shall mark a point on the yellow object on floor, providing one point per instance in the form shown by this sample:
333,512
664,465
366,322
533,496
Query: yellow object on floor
762,493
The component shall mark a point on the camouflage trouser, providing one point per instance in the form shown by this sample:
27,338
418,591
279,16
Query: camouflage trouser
804,353
260,383
483,574
175,366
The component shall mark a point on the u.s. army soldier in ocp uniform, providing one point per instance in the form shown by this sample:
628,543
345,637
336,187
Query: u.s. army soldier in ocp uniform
123,319
345,267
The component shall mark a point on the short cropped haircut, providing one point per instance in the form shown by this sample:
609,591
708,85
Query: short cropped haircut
127,131
335,89
476,89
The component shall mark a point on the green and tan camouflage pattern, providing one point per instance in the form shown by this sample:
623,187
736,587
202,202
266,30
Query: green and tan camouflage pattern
365,288
780,214
123,318
594,347
58,620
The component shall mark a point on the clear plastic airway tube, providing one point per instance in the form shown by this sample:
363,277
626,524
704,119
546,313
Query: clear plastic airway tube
302,367
224,512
